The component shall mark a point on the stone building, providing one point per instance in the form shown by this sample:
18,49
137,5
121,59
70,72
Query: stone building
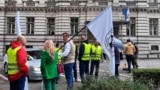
48,19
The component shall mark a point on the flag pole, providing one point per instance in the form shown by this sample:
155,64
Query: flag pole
73,36
18,23
112,55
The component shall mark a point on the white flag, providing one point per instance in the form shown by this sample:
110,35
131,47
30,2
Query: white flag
18,29
128,15
102,29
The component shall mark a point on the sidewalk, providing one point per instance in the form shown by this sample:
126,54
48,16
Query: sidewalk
146,63
142,63
104,68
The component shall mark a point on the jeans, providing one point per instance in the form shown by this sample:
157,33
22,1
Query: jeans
69,75
94,64
84,68
18,84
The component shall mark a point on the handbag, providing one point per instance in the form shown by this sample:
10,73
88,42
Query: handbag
60,68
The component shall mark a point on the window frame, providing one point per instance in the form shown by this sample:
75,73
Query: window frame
152,46
153,26
30,25
153,1
133,26
74,24
50,0
11,25
49,29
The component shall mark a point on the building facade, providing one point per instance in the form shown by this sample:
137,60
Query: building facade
48,19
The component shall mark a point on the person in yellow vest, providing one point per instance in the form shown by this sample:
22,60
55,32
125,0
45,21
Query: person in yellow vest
96,57
75,63
84,57
57,48
17,59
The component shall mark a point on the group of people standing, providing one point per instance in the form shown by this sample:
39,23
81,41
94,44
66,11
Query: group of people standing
67,54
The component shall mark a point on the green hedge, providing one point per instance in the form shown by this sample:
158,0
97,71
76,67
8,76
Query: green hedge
110,83
149,77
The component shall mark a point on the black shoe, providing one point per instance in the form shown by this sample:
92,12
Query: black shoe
76,80
69,88
56,82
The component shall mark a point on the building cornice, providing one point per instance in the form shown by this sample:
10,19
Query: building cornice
78,9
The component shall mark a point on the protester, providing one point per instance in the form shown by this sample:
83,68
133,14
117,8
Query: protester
48,65
59,66
17,59
96,57
117,60
75,63
84,57
135,56
68,57
104,56
129,51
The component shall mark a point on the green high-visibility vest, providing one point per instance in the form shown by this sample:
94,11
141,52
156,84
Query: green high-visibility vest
12,60
86,54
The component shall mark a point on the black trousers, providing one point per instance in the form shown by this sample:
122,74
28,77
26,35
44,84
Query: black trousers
130,59
84,69
116,70
75,70
94,65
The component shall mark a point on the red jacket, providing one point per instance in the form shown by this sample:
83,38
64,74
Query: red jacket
21,59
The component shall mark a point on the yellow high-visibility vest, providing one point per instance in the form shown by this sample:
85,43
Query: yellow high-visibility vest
86,54
12,60
59,51
96,52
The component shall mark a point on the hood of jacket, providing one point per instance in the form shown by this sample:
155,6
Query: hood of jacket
15,44
129,44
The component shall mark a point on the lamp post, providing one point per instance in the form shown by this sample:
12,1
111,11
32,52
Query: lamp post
137,23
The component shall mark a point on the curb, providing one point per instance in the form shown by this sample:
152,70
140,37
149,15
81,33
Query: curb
3,77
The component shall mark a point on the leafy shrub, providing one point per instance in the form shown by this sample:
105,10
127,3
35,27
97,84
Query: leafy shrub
148,76
110,83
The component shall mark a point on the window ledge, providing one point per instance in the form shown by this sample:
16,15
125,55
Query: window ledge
50,3
74,3
30,3
11,3
153,4
103,2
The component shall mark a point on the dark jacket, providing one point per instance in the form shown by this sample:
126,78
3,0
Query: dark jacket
136,52
117,55
76,52
81,49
